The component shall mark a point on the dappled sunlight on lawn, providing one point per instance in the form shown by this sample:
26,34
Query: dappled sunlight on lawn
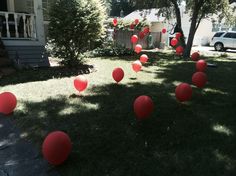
222,129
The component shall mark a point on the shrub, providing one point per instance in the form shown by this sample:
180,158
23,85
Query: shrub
75,27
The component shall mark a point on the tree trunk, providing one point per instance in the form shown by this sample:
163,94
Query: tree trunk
179,22
192,31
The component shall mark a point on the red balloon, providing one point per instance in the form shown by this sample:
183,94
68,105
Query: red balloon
118,74
183,92
146,30
80,83
195,56
173,42
141,35
138,48
143,107
134,39
115,22
137,65
7,103
132,26
199,79
179,50
201,65
144,58
136,21
56,147
178,35
164,30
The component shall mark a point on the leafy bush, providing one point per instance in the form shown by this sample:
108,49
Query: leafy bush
111,49
75,27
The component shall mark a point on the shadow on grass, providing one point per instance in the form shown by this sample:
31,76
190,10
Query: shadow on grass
178,139
43,74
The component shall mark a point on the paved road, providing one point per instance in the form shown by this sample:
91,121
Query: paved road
18,157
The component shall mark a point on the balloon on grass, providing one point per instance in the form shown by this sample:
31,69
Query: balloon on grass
137,65
56,147
195,56
143,58
199,79
143,107
179,50
183,92
174,42
80,83
201,65
134,39
8,103
138,48
118,74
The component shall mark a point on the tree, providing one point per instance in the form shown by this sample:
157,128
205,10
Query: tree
75,25
120,5
198,10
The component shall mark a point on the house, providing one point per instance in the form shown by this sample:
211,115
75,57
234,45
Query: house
22,31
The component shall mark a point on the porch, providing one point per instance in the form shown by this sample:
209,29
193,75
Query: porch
18,19
22,31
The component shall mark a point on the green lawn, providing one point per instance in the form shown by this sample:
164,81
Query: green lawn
192,139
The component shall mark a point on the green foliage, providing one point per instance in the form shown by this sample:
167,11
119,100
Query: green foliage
109,48
75,27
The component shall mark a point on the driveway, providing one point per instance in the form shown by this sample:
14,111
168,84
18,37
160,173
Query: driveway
210,51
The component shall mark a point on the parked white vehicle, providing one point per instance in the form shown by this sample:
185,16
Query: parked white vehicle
224,40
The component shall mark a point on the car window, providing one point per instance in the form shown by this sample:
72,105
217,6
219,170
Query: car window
228,35
233,35
218,34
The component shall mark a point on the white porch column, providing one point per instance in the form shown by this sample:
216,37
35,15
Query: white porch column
38,10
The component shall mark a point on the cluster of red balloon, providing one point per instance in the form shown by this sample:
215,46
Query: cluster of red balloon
174,42
183,91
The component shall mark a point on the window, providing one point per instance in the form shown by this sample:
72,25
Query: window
233,35
228,35
218,34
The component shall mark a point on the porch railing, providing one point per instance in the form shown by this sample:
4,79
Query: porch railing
17,25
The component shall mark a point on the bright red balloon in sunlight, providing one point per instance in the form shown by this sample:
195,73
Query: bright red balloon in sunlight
183,92
143,107
178,35
164,30
8,103
143,58
179,50
138,48
195,56
80,83
134,39
201,65
199,79
136,21
118,74
174,42
56,147
137,65
115,22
